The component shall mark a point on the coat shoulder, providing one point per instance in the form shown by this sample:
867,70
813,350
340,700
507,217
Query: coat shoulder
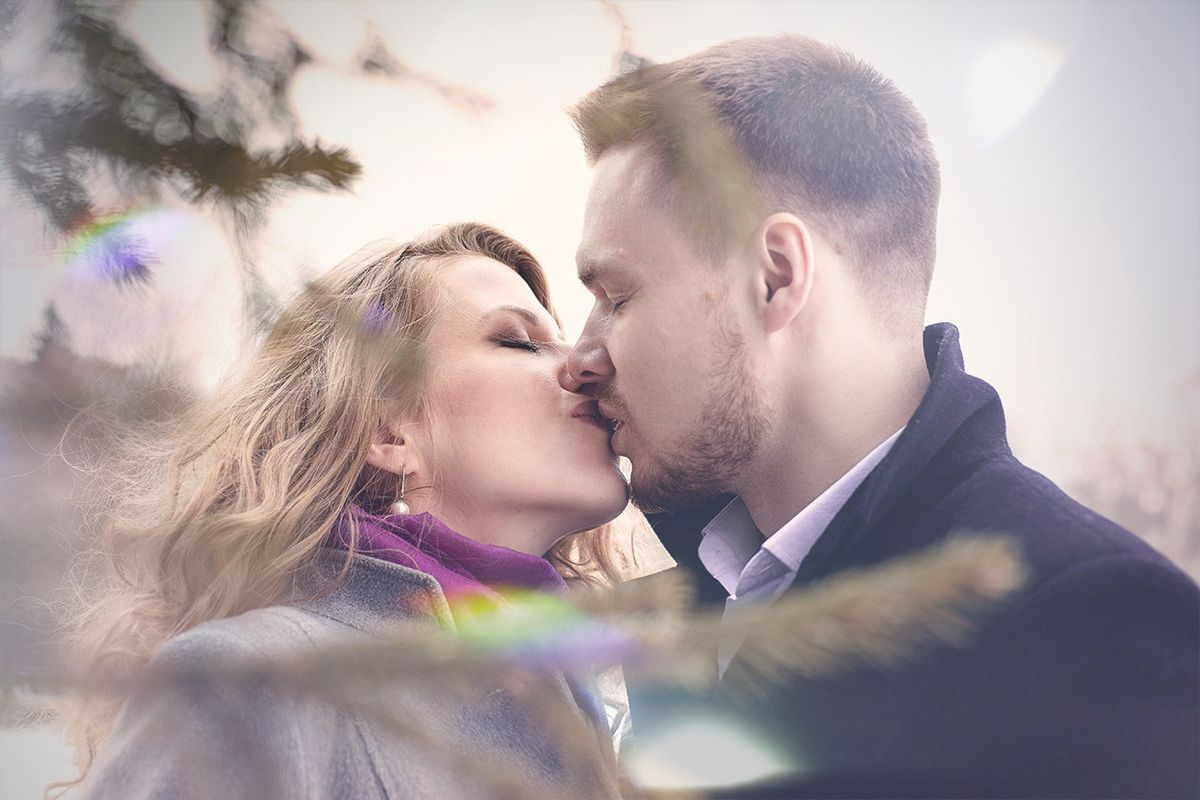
255,636
1057,534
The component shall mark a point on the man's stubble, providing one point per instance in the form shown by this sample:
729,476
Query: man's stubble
720,442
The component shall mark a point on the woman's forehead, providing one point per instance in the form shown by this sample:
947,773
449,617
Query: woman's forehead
476,287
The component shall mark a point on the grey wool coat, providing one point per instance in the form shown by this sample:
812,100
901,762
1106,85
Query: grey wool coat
208,737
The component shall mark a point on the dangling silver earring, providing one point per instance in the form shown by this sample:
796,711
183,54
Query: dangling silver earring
400,507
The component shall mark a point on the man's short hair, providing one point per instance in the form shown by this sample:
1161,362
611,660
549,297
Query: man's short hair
783,123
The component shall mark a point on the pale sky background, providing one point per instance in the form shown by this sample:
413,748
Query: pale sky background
1069,137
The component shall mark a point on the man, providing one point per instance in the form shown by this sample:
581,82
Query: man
759,240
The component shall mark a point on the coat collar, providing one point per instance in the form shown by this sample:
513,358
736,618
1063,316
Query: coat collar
373,595
381,597
959,422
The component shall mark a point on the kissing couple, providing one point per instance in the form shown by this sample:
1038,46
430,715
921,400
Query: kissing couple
415,441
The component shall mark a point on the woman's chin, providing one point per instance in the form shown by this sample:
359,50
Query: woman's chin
599,510
618,498
614,510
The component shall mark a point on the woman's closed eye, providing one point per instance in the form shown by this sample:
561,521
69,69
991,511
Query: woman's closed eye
520,344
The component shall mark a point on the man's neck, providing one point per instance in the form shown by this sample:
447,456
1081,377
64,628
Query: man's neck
830,427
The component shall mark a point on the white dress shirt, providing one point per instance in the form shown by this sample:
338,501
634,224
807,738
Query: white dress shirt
756,571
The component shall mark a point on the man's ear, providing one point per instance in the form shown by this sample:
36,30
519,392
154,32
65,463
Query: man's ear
784,255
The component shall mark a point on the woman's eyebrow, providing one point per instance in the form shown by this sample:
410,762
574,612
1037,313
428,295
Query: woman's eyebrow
524,313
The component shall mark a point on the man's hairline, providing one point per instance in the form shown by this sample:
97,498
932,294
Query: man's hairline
665,185
593,273
661,182
659,186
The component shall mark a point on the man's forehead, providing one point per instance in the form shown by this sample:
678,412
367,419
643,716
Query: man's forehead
624,176
617,215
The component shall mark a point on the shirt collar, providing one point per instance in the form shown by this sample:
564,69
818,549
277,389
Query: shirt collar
791,543
731,539
728,543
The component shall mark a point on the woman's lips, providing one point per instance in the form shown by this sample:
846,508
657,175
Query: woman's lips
596,421
589,412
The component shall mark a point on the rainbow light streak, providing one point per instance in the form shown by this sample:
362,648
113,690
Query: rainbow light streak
121,246
537,629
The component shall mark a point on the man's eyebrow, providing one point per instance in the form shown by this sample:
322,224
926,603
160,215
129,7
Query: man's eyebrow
587,276
591,270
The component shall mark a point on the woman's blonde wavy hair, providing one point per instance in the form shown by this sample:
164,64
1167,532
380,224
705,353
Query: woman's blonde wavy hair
219,512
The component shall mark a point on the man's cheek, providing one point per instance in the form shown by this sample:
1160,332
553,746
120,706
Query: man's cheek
665,327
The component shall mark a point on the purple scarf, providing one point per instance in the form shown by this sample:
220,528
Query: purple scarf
462,566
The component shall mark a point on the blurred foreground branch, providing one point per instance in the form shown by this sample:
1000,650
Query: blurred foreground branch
881,617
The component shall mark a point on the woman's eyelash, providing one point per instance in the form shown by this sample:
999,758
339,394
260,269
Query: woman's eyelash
521,344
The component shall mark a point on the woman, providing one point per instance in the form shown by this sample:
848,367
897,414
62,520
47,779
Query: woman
400,441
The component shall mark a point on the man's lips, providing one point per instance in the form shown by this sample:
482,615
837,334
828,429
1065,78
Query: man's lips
611,418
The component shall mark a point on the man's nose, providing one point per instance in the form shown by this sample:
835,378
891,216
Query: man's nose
587,365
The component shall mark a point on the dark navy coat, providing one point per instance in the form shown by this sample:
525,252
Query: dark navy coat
1083,685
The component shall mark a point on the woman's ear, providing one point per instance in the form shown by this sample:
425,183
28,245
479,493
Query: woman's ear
395,454
785,255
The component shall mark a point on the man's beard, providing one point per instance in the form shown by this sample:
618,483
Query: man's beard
724,439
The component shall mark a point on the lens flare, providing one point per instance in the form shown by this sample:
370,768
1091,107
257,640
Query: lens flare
375,320
704,750
1006,81
121,246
